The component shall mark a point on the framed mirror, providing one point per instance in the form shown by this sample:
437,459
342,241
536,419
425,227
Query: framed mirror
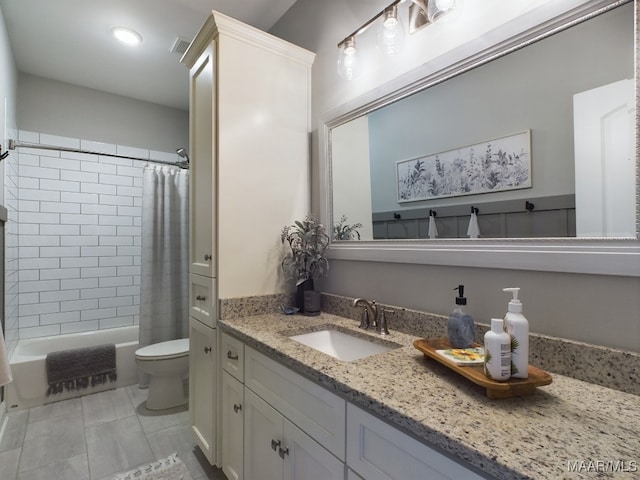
563,197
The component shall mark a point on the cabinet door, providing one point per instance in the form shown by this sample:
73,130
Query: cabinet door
232,427
263,437
202,381
377,451
304,458
203,180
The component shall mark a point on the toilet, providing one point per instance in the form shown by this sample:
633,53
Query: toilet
167,363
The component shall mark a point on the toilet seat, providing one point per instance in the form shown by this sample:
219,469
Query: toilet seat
164,350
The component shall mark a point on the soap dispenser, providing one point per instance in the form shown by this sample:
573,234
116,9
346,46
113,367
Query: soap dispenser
517,326
497,352
460,327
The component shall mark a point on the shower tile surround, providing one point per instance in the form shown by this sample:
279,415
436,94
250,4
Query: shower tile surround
616,369
75,256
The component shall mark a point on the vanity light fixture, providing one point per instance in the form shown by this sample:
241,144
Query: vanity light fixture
391,32
348,63
127,36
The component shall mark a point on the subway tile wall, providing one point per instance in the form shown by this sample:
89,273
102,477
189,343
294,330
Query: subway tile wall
79,236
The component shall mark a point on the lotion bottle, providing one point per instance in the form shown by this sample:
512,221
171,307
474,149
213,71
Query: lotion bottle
517,326
497,352
460,327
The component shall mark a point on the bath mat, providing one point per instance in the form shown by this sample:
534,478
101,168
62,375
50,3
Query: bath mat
76,369
170,468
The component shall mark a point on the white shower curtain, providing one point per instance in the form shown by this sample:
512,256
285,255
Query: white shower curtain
164,288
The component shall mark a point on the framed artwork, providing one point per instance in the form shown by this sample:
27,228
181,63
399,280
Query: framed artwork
492,166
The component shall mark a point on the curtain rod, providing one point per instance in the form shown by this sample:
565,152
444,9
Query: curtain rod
13,145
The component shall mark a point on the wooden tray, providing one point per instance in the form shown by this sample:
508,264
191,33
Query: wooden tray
515,387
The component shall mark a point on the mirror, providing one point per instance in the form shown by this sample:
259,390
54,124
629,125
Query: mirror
541,141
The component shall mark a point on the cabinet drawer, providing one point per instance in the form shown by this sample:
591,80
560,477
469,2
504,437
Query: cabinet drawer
202,305
314,409
232,352
378,451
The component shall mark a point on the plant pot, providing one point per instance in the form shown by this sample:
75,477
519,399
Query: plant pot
301,288
312,302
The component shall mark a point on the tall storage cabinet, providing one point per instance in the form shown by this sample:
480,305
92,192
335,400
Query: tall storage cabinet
249,114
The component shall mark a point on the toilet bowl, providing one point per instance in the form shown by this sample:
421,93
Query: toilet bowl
167,363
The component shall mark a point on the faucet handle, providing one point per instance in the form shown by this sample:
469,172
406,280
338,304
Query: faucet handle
365,321
382,324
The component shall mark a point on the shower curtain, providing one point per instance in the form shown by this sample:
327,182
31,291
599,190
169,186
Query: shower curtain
164,287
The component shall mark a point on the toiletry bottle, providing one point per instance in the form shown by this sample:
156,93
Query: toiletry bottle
460,327
497,352
517,326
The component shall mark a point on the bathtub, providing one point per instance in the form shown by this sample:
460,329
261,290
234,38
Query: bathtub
29,386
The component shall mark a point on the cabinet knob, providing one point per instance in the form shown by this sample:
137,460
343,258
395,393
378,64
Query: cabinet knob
237,407
275,444
282,452
207,257
232,356
201,298
207,349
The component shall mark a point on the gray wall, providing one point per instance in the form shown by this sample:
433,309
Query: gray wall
598,309
56,108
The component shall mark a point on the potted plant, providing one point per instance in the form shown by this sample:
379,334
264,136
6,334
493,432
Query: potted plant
309,242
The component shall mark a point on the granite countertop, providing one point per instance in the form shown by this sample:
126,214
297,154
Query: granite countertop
567,424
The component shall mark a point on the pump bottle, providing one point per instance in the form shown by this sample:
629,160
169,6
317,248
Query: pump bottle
460,327
497,352
517,326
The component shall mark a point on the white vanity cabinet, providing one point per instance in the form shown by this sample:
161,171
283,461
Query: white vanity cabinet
275,449
249,131
293,428
232,444
233,407
377,451
202,386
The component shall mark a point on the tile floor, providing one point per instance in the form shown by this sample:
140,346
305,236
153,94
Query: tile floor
96,436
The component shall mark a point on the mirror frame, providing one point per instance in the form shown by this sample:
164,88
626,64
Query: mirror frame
615,256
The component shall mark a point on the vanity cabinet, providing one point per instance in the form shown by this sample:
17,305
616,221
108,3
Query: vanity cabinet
249,131
233,407
275,449
293,428
377,451
297,429
202,386
232,426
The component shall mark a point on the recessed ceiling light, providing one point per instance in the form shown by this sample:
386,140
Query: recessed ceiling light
127,36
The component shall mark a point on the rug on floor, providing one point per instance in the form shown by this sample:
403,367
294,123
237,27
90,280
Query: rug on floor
170,468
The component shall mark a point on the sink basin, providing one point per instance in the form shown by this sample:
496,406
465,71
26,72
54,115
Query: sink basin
341,345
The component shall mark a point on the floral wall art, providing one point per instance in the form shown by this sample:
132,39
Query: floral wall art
492,166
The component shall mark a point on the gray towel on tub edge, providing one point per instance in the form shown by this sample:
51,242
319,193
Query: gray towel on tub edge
80,367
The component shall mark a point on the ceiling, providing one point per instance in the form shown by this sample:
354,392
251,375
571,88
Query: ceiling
70,41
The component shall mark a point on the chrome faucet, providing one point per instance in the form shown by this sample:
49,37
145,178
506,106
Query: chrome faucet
373,316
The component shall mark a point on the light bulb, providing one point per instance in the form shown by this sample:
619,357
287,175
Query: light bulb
437,9
391,32
348,63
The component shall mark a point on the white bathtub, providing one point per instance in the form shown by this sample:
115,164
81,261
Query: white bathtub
29,386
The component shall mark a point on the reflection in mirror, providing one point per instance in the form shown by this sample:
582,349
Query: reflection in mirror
573,95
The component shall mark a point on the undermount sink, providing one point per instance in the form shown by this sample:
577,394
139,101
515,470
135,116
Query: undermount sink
341,345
